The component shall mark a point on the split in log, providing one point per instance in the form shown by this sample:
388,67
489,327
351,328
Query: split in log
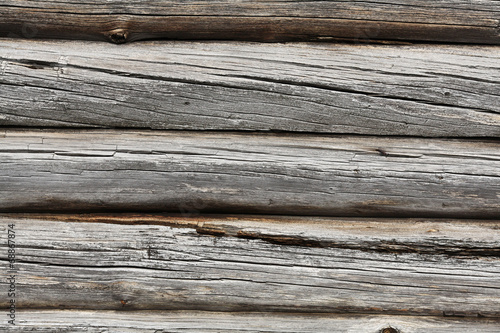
102,170
251,264
358,21
430,91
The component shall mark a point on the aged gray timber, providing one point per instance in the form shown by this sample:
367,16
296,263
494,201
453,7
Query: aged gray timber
99,170
378,90
162,263
361,21
54,321
424,236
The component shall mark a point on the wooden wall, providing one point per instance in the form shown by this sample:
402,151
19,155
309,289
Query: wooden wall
257,166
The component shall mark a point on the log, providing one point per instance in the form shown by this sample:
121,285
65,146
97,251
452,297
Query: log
416,20
309,265
181,321
103,170
424,90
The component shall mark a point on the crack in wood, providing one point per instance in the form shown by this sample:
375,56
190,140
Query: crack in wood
243,87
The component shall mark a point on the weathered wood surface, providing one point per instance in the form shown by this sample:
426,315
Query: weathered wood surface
54,321
361,21
423,236
416,90
101,170
182,264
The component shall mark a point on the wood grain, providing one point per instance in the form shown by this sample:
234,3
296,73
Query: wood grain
443,91
182,321
359,21
172,263
98,170
455,238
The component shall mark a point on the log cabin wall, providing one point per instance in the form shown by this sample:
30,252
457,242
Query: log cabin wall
250,166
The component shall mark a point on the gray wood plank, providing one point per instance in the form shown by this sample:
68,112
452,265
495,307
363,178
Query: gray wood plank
360,21
410,235
102,170
425,90
173,263
181,321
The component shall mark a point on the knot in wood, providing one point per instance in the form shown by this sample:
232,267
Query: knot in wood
118,36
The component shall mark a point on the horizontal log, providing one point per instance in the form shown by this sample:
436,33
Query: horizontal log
416,20
102,170
233,264
179,322
459,238
444,91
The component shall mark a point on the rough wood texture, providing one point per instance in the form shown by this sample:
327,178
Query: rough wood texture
383,90
423,236
361,21
153,262
181,322
279,174
98,170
